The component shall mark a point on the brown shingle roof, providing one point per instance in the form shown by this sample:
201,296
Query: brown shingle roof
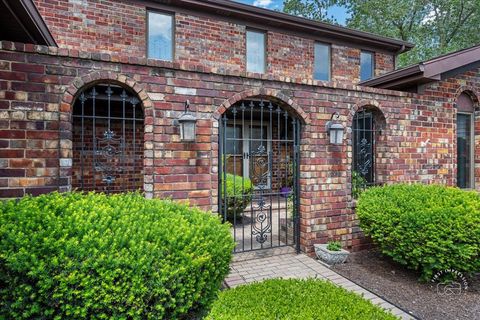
426,71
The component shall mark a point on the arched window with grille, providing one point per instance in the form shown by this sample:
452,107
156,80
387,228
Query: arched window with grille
107,141
367,141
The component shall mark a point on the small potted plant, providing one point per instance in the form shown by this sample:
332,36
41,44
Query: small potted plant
331,253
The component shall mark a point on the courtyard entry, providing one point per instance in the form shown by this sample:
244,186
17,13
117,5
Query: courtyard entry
107,142
259,174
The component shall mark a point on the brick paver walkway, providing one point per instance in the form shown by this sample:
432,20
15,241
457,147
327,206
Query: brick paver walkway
284,263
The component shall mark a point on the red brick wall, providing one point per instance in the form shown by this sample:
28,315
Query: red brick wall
38,85
290,56
29,135
96,26
345,63
383,63
214,43
119,27
444,152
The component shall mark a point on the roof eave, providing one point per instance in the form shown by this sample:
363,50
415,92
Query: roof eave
230,8
29,20
428,71
39,23
385,80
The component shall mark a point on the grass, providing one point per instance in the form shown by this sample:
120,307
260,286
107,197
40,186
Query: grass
293,299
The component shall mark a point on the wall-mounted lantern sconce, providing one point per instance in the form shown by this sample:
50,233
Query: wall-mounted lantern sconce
187,123
335,130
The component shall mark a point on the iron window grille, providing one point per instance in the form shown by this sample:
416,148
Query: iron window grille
107,140
364,146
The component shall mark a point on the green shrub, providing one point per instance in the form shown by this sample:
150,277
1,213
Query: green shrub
359,184
293,299
237,197
428,228
86,256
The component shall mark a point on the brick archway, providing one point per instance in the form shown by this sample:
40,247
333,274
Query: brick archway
471,92
376,134
65,128
466,104
265,93
367,104
266,152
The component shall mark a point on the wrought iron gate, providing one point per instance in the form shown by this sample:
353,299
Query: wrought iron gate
259,175
107,140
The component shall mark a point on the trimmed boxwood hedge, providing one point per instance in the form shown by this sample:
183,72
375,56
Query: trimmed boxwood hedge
238,197
293,299
85,256
428,228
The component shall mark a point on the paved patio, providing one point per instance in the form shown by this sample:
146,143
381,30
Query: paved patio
285,263
278,225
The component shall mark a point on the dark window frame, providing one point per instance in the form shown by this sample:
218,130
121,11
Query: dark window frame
372,54
471,181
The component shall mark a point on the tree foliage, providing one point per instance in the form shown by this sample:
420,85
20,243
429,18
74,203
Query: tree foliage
434,26
311,9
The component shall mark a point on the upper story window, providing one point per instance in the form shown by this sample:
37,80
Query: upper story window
256,55
322,62
160,36
366,65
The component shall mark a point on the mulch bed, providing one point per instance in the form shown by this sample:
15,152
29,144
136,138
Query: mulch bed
401,287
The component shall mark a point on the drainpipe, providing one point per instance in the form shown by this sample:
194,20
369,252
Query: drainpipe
402,49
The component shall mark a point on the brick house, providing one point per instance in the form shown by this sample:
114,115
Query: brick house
92,93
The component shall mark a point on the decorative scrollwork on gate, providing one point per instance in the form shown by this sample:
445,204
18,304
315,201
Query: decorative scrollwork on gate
259,143
261,167
262,221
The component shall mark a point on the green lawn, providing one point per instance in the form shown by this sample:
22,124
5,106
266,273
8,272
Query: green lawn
293,299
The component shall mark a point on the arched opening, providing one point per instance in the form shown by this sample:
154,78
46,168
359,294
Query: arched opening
259,173
107,139
465,141
368,166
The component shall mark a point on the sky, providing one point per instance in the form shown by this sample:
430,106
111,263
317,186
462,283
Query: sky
339,13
